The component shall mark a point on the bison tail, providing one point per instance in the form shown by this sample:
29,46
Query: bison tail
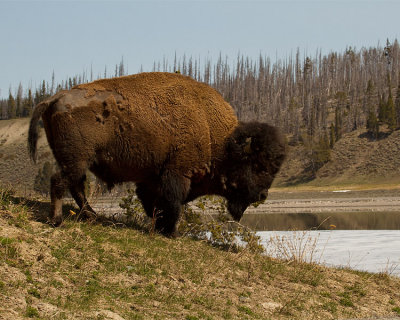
33,128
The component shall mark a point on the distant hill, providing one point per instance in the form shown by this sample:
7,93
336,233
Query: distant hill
355,159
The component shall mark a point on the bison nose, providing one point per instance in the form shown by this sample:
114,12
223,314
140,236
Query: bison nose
263,195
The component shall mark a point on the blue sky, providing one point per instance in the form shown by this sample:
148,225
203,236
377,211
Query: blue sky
68,37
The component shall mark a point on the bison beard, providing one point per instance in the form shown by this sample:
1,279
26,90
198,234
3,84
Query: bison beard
176,138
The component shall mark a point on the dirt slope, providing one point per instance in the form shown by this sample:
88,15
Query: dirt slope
356,157
16,168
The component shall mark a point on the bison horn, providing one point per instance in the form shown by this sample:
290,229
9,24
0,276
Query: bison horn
247,146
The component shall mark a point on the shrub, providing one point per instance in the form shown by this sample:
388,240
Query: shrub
134,212
205,219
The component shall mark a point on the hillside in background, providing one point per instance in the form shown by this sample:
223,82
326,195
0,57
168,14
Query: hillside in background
356,159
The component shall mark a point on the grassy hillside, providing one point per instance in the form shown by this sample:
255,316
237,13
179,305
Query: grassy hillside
92,271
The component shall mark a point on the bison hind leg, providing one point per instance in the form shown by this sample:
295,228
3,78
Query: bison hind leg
60,182
58,185
77,190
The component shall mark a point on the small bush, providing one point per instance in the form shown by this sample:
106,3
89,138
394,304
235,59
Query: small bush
206,219
134,212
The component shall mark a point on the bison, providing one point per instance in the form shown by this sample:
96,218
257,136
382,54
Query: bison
175,138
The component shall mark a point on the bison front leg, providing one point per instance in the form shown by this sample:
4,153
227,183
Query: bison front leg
147,196
173,193
164,212
163,201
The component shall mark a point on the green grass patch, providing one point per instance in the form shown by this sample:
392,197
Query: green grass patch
396,310
346,300
34,292
31,312
246,310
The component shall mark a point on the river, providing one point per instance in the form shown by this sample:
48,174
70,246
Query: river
365,250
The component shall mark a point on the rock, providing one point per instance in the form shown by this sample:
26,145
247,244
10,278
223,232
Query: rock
156,303
271,306
109,315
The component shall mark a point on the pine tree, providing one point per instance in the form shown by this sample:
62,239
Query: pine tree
373,124
324,148
12,112
369,97
382,109
121,68
370,88
391,112
18,102
53,82
322,152
28,105
43,92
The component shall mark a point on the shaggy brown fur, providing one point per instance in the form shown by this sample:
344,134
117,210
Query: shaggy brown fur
166,132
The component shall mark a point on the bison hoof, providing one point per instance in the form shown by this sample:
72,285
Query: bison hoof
171,235
55,222
88,215
167,232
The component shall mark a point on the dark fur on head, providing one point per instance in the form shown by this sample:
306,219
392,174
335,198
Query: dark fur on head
254,154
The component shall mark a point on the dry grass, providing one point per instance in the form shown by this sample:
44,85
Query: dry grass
91,271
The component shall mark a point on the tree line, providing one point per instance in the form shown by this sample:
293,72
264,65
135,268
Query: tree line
20,104
319,96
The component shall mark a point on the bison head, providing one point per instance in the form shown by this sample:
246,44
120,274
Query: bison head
254,153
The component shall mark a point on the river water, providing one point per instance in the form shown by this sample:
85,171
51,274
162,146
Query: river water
365,250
